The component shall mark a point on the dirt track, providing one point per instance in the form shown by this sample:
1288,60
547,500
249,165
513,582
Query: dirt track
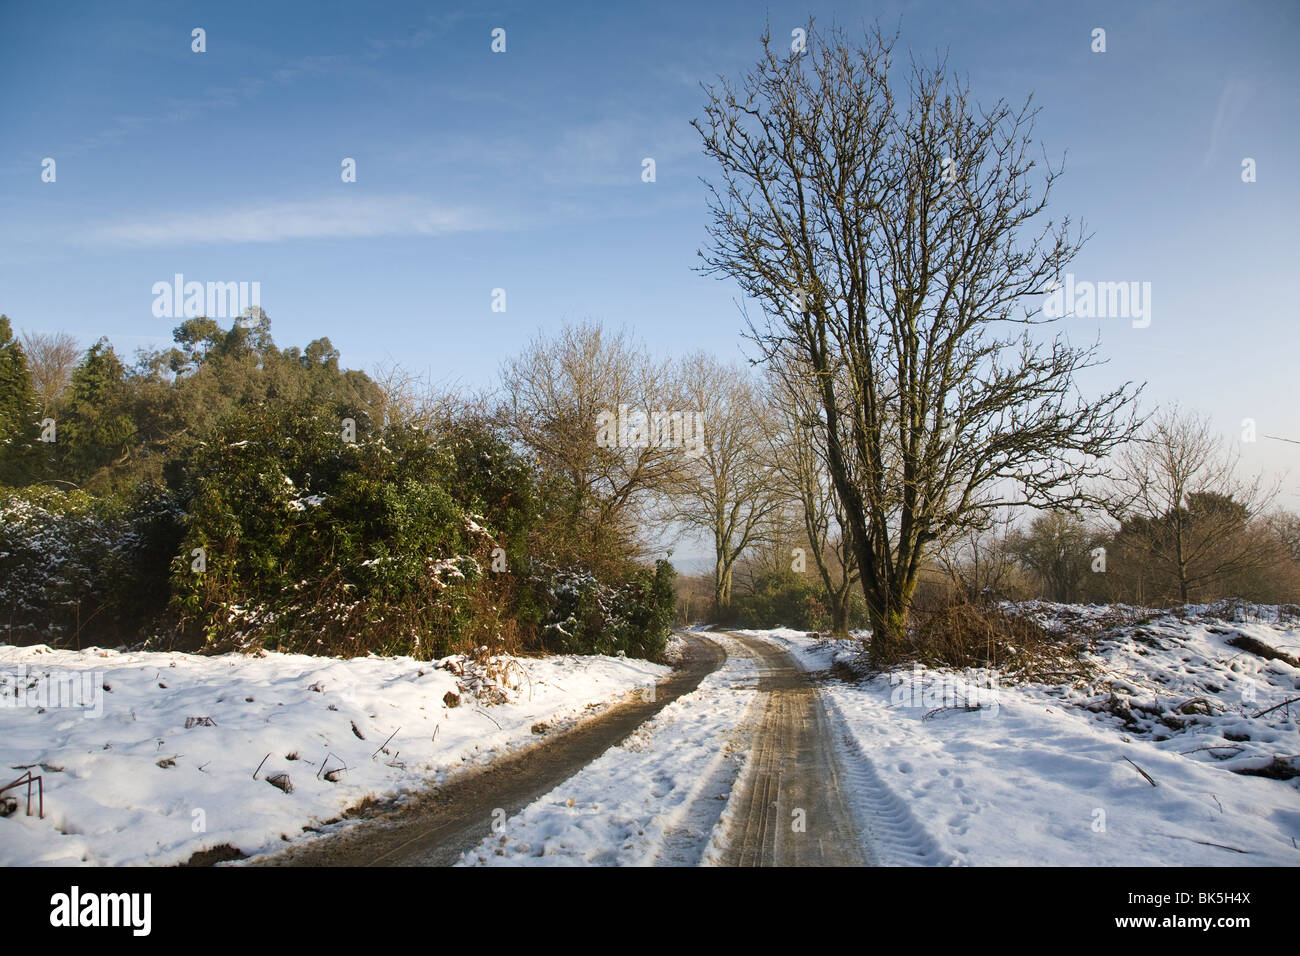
789,807
436,827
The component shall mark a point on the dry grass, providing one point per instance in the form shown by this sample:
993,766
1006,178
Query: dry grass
965,635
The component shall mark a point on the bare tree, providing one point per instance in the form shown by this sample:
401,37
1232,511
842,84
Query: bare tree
895,244
797,453
979,562
411,397
1057,547
562,398
1285,525
726,490
1184,508
51,357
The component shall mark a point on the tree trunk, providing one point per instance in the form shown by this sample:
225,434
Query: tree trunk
721,588
888,634
840,614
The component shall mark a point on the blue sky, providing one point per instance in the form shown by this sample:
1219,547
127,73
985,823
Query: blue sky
522,171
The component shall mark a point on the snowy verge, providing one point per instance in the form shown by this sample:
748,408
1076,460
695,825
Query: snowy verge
126,781
1057,774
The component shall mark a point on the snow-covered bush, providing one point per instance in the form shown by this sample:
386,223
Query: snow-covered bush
71,562
582,615
303,539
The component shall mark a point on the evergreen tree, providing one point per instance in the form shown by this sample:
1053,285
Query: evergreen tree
18,410
97,429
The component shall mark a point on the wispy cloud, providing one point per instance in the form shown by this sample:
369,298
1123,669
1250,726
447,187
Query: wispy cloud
331,218
1232,100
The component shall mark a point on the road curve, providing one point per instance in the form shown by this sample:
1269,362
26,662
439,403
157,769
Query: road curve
437,826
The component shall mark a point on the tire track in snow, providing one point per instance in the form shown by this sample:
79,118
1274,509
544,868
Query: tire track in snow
889,833
790,808
892,834
651,800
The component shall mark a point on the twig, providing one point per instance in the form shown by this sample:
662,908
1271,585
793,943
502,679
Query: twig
1143,772
385,743
968,707
488,716
325,763
1220,846
259,766
1283,704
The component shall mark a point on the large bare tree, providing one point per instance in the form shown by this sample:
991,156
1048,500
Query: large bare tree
892,231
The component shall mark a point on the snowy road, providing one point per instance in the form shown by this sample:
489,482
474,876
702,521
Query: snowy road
732,763
434,828
741,772
755,754
791,809
1180,748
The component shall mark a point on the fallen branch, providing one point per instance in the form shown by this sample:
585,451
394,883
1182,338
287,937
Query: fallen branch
964,706
1220,846
1184,753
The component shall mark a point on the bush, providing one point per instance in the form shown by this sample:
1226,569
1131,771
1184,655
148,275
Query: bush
581,615
316,544
70,562
274,532
783,600
962,635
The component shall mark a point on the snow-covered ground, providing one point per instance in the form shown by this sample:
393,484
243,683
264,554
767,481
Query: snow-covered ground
987,774
127,781
656,799
1153,758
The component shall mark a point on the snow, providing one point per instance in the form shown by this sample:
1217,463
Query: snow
1049,774
941,767
310,501
126,782
655,799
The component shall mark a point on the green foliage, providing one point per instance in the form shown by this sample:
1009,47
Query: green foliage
586,616
214,498
96,427
74,566
311,541
18,410
782,600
